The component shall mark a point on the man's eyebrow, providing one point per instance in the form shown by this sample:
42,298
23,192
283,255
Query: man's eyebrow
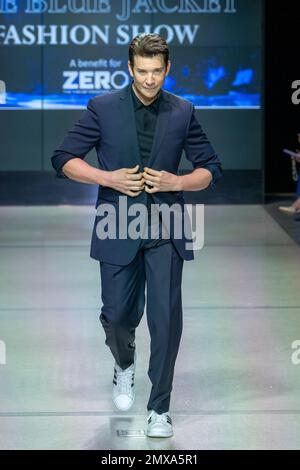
143,70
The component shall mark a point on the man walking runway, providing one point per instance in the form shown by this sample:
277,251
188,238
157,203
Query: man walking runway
139,134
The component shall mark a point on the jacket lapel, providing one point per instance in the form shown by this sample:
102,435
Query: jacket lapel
129,137
163,120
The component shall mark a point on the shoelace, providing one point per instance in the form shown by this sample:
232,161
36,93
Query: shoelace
124,382
163,418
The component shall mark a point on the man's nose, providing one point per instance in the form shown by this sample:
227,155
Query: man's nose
149,79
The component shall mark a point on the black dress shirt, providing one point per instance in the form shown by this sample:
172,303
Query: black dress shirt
146,119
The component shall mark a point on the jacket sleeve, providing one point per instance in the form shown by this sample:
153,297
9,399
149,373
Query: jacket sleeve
199,150
79,140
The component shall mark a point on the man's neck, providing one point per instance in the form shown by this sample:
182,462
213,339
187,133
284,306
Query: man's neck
140,98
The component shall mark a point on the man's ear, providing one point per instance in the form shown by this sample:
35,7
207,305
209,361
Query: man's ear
168,67
129,68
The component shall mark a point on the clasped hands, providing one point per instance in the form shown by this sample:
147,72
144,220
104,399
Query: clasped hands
132,182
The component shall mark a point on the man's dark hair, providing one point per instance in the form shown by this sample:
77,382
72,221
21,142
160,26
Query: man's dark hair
148,45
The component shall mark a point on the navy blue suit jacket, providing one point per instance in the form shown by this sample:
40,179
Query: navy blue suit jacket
108,124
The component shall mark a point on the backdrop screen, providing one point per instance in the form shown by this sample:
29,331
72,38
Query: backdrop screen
57,54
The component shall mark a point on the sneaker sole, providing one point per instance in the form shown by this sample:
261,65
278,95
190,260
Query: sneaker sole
153,434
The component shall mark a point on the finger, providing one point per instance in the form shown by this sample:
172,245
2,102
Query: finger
133,193
151,184
136,188
133,170
151,171
135,176
139,183
150,178
150,190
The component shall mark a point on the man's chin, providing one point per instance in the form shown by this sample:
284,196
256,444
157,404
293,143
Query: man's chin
150,90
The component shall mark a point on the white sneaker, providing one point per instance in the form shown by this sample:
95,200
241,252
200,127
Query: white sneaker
159,425
123,393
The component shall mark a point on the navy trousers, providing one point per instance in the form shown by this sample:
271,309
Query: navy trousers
158,267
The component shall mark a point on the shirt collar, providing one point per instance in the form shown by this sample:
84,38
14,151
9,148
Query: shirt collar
137,103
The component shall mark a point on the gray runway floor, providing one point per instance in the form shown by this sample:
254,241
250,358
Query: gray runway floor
237,377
